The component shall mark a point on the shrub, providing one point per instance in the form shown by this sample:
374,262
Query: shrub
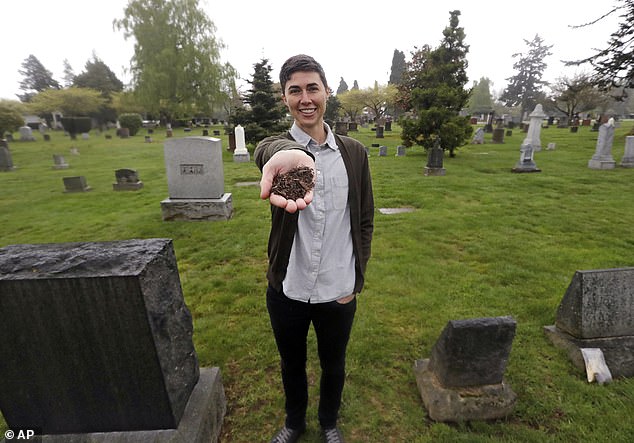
131,121
10,120
77,125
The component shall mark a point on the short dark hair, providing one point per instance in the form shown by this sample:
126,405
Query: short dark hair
301,63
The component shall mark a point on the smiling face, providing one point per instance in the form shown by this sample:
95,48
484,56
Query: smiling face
305,96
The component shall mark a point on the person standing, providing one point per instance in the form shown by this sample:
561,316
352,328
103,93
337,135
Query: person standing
318,248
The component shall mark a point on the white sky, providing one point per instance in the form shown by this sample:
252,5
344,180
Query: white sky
351,39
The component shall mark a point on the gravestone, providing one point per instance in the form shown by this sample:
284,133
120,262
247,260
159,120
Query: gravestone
85,136
526,162
379,132
602,158
195,179
6,161
498,135
127,180
534,128
464,377
240,153
148,139
382,151
400,151
531,142
341,128
353,127
76,184
597,311
123,132
628,155
26,134
388,125
551,146
435,157
59,162
478,137
100,346
47,137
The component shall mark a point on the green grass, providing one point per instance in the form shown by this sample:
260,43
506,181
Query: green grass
482,241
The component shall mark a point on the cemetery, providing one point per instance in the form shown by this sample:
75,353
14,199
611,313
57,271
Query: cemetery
486,290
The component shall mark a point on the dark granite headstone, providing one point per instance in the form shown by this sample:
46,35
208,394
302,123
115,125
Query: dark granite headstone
341,128
379,131
463,378
127,180
76,184
96,337
597,311
435,157
6,161
473,352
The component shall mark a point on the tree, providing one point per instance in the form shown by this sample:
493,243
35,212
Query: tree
71,101
265,112
355,86
352,103
343,86
69,74
176,67
97,75
398,67
10,116
577,94
614,65
36,78
332,109
481,101
525,89
433,89
378,99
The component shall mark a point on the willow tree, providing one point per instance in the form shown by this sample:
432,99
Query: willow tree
176,68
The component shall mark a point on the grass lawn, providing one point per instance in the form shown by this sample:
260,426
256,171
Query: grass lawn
481,241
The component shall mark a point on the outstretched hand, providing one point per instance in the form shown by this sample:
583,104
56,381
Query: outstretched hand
280,163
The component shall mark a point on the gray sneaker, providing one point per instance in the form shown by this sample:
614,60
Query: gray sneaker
332,435
288,435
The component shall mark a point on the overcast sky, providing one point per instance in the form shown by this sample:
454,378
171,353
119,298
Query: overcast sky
352,39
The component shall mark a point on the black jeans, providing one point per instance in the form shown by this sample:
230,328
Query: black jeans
291,320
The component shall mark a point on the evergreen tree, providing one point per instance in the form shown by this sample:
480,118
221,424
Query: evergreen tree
343,86
525,89
264,113
36,78
398,67
433,89
481,101
332,109
69,74
614,65
97,75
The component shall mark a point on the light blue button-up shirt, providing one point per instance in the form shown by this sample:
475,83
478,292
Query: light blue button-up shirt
321,265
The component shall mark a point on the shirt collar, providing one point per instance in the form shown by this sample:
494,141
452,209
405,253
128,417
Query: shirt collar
304,139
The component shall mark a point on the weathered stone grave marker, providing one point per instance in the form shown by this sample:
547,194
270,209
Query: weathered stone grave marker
597,311
6,161
76,184
435,158
127,180
59,162
464,377
97,346
602,158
